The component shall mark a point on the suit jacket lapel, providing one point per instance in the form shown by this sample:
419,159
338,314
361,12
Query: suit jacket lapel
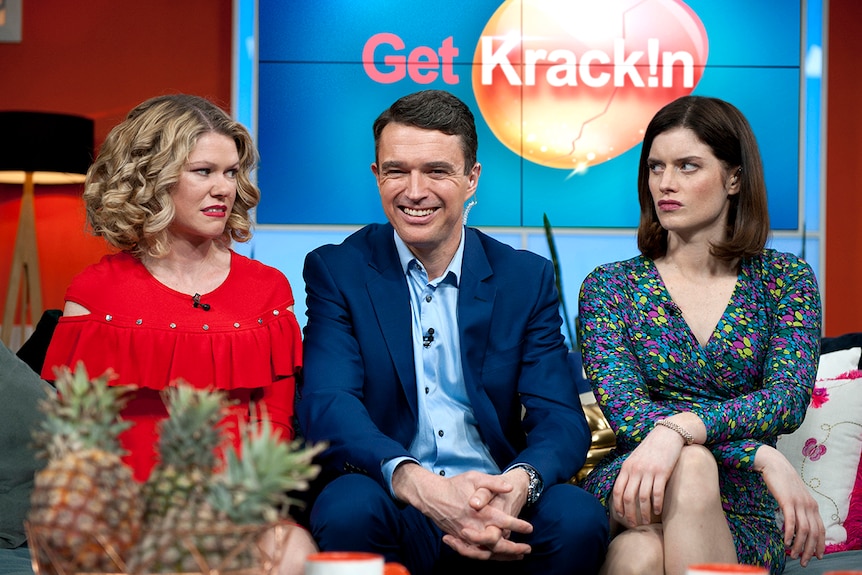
387,289
475,305
475,309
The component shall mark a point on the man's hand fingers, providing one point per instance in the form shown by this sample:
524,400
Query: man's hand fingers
504,521
499,546
463,548
504,550
481,498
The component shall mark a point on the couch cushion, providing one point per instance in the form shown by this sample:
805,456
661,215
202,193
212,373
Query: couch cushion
20,389
830,563
839,355
841,342
838,362
827,448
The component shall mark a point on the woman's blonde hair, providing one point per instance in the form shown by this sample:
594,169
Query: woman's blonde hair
127,192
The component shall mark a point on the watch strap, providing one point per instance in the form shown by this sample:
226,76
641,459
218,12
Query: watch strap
536,485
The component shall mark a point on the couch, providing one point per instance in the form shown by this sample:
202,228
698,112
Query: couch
21,390
826,450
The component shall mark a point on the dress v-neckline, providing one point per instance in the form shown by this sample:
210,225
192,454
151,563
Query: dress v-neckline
677,311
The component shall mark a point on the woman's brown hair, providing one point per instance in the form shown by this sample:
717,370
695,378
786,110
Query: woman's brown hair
723,128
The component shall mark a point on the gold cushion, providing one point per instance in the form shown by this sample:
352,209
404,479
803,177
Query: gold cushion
603,439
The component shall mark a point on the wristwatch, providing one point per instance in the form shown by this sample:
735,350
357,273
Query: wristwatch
534,490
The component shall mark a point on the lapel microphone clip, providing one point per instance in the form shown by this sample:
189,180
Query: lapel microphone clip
196,302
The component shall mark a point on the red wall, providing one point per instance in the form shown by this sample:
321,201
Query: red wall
101,57
843,279
98,59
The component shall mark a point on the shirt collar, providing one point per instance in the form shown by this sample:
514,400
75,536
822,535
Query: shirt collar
405,256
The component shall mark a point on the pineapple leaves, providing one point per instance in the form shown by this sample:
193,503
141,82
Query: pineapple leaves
85,413
256,480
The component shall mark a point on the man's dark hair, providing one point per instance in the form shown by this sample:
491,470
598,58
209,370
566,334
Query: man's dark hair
433,110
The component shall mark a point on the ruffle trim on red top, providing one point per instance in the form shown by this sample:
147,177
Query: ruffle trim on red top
252,354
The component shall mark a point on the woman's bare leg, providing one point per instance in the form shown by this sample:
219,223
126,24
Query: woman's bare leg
695,527
636,551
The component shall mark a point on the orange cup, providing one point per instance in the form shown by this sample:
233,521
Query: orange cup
351,563
724,569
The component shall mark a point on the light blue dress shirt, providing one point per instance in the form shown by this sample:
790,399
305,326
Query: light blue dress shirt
447,441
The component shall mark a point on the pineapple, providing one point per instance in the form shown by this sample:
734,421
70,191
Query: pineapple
188,441
206,522
253,487
85,511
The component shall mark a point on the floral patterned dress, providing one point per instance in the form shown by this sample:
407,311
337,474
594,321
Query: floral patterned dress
751,382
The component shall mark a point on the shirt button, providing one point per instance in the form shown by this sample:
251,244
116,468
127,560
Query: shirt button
139,321
427,390
173,326
428,298
109,317
440,433
442,472
206,327
236,324
275,312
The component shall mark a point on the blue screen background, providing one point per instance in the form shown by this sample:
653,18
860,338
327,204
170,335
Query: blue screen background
316,106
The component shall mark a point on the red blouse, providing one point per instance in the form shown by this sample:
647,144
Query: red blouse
246,342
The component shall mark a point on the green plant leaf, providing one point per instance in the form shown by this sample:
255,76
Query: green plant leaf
558,278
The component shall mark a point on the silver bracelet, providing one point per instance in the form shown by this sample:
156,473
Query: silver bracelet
688,437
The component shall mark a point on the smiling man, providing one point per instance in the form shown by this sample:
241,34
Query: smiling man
426,341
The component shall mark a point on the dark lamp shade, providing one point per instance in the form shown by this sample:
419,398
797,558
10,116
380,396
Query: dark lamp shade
56,148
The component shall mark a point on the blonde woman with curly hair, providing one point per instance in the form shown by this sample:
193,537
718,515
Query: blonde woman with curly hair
170,190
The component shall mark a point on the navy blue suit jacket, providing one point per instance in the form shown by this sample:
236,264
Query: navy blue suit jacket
359,389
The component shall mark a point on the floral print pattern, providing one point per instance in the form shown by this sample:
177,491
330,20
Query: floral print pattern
751,381
812,450
819,397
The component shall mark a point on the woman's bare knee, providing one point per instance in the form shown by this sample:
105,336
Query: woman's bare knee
696,470
694,483
636,551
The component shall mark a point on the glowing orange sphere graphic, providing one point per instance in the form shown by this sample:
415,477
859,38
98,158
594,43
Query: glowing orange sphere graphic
573,83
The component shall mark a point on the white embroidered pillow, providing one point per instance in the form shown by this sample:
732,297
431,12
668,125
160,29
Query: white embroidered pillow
827,447
838,362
